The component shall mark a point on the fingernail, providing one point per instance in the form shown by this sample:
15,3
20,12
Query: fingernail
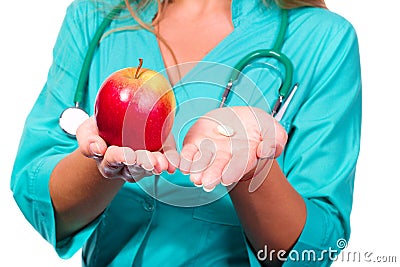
147,169
208,189
129,156
268,153
95,149
224,184
198,185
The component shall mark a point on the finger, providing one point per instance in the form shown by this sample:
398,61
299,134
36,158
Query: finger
281,137
146,159
273,135
129,156
236,168
212,175
161,163
111,165
117,154
169,143
133,173
187,154
200,163
173,159
266,149
90,143
196,172
170,153
201,160
272,145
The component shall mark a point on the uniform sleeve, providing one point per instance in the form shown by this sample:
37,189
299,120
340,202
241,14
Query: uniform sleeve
321,154
43,144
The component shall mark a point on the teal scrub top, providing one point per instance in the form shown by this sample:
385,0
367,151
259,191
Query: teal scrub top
165,221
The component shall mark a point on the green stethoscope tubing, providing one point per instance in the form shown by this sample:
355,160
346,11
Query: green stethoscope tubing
84,74
275,53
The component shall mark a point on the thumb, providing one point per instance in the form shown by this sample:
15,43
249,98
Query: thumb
90,143
273,137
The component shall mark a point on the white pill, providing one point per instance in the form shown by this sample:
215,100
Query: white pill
225,130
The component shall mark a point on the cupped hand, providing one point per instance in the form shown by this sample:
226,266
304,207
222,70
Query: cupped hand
123,162
226,144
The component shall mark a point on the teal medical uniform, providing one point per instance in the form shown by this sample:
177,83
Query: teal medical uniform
154,222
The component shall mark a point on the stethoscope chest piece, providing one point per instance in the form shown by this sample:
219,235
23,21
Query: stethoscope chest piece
71,119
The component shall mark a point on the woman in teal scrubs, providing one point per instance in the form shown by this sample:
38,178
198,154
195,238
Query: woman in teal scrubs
294,209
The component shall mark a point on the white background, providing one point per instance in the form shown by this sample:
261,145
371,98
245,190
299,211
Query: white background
28,32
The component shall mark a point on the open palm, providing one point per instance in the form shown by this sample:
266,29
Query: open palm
226,143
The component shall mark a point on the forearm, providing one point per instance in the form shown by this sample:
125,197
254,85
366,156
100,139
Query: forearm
274,215
79,193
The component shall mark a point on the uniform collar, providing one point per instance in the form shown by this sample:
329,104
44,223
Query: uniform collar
243,11
249,11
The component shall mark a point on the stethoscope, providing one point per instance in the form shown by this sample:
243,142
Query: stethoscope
72,117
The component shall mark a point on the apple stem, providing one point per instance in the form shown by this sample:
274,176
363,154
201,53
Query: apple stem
138,68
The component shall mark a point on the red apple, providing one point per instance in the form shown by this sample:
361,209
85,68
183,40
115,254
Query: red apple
135,107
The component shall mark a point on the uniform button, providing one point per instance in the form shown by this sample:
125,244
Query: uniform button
148,206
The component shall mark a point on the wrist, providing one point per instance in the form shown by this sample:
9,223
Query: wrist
260,169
